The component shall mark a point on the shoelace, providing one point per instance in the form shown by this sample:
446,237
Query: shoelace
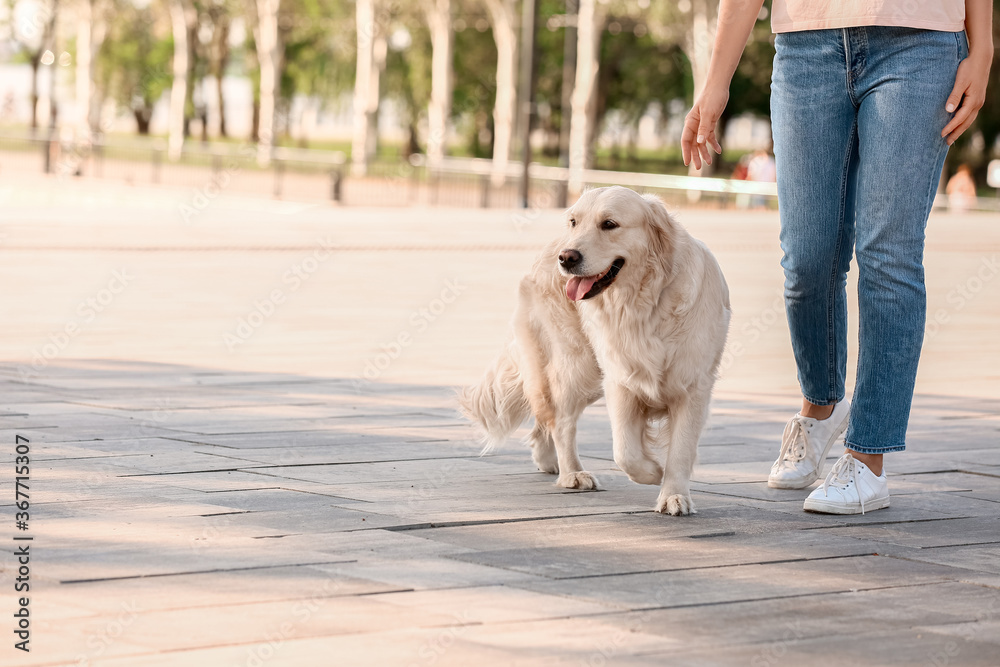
845,471
794,441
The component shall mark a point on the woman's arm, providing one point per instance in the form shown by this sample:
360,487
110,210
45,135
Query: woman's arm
736,20
969,92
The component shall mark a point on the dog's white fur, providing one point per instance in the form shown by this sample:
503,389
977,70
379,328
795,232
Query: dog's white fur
651,342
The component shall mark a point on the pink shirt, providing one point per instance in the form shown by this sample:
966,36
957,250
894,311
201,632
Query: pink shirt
794,15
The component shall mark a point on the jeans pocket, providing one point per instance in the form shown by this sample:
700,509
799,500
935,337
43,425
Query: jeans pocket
963,45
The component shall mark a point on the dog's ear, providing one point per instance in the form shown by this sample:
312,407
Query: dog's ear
661,227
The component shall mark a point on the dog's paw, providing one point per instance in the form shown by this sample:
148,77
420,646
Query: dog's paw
545,460
643,471
578,480
550,467
675,505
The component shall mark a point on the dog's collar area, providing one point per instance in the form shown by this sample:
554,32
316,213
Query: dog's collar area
606,279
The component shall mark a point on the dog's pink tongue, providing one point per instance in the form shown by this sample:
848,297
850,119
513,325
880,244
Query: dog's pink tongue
578,286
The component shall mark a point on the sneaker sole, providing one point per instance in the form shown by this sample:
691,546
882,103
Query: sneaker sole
827,507
806,481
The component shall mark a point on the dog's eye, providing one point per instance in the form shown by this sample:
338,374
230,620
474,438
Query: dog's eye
572,222
609,224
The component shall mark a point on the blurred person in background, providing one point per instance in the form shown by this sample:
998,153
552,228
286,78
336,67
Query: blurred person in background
961,190
761,169
866,98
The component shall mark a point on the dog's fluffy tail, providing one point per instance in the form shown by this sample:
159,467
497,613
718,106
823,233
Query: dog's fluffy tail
498,403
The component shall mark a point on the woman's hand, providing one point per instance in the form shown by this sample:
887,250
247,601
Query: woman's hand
968,95
698,139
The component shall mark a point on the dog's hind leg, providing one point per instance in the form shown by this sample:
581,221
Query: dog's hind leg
628,434
686,421
571,472
543,450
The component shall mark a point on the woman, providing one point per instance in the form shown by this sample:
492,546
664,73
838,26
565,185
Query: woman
866,97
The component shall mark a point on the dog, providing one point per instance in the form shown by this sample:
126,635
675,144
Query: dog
629,306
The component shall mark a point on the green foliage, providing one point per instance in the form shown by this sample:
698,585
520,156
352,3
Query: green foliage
319,46
407,77
133,64
750,90
637,72
475,85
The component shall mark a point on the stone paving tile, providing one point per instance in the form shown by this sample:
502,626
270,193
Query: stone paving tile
754,580
484,549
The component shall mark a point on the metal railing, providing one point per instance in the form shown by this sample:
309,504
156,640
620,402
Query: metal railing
310,175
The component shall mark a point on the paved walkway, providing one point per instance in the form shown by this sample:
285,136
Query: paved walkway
215,487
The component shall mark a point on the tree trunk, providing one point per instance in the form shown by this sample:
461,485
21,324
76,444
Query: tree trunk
190,112
698,49
590,25
269,57
371,52
49,41
220,60
36,61
84,84
178,89
568,76
142,118
503,15
255,121
439,21
98,31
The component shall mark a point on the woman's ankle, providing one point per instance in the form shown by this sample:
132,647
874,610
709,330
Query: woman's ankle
813,411
873,461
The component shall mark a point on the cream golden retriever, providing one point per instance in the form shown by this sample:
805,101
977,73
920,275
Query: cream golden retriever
627,305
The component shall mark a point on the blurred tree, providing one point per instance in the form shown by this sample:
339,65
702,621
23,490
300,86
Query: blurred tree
590,27
503,17
217,17
475,84
32,27
318,64
133,68
183,19
370,38
439,20
269,55
91,28
638,74
407,73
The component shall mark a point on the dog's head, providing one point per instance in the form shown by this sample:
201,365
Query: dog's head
611,231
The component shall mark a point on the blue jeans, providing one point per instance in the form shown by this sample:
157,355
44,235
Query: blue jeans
857,115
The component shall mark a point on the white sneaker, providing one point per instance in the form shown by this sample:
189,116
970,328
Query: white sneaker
850,488
804,446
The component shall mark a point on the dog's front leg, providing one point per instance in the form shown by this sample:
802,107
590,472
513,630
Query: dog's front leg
686,421
571,472
628,428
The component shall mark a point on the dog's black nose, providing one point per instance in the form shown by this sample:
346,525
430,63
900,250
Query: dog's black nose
569,258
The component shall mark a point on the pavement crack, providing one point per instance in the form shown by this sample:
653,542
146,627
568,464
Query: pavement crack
212,571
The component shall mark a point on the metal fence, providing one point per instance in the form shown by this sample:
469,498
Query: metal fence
310,175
